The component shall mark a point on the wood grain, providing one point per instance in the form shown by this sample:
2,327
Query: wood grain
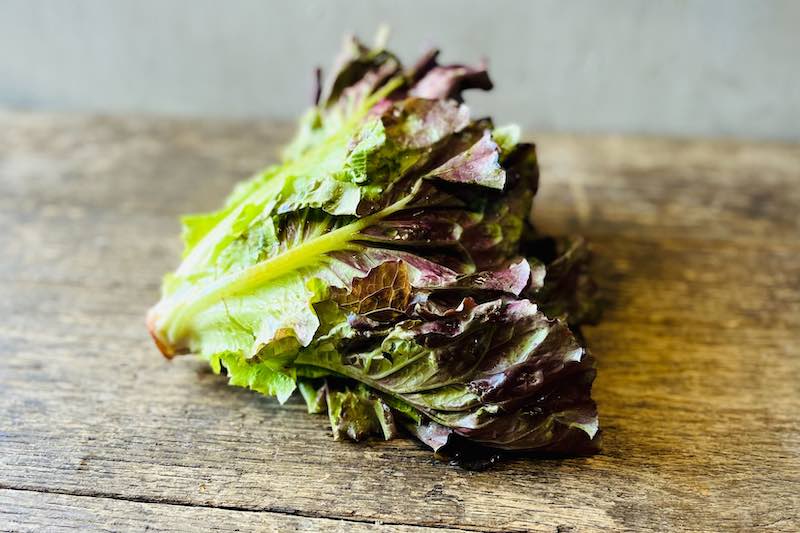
34,511
696,244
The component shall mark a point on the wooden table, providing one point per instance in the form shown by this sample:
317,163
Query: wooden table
698,256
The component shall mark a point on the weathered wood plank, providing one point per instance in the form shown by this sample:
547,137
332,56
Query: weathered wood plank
680,425
53,159
717,283
35,511
699,360
632,186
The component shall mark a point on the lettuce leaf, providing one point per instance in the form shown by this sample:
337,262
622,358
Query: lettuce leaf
387,268
491,368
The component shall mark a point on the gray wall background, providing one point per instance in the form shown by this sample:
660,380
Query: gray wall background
688,68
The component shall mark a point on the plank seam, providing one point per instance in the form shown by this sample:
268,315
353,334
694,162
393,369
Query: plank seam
268,510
